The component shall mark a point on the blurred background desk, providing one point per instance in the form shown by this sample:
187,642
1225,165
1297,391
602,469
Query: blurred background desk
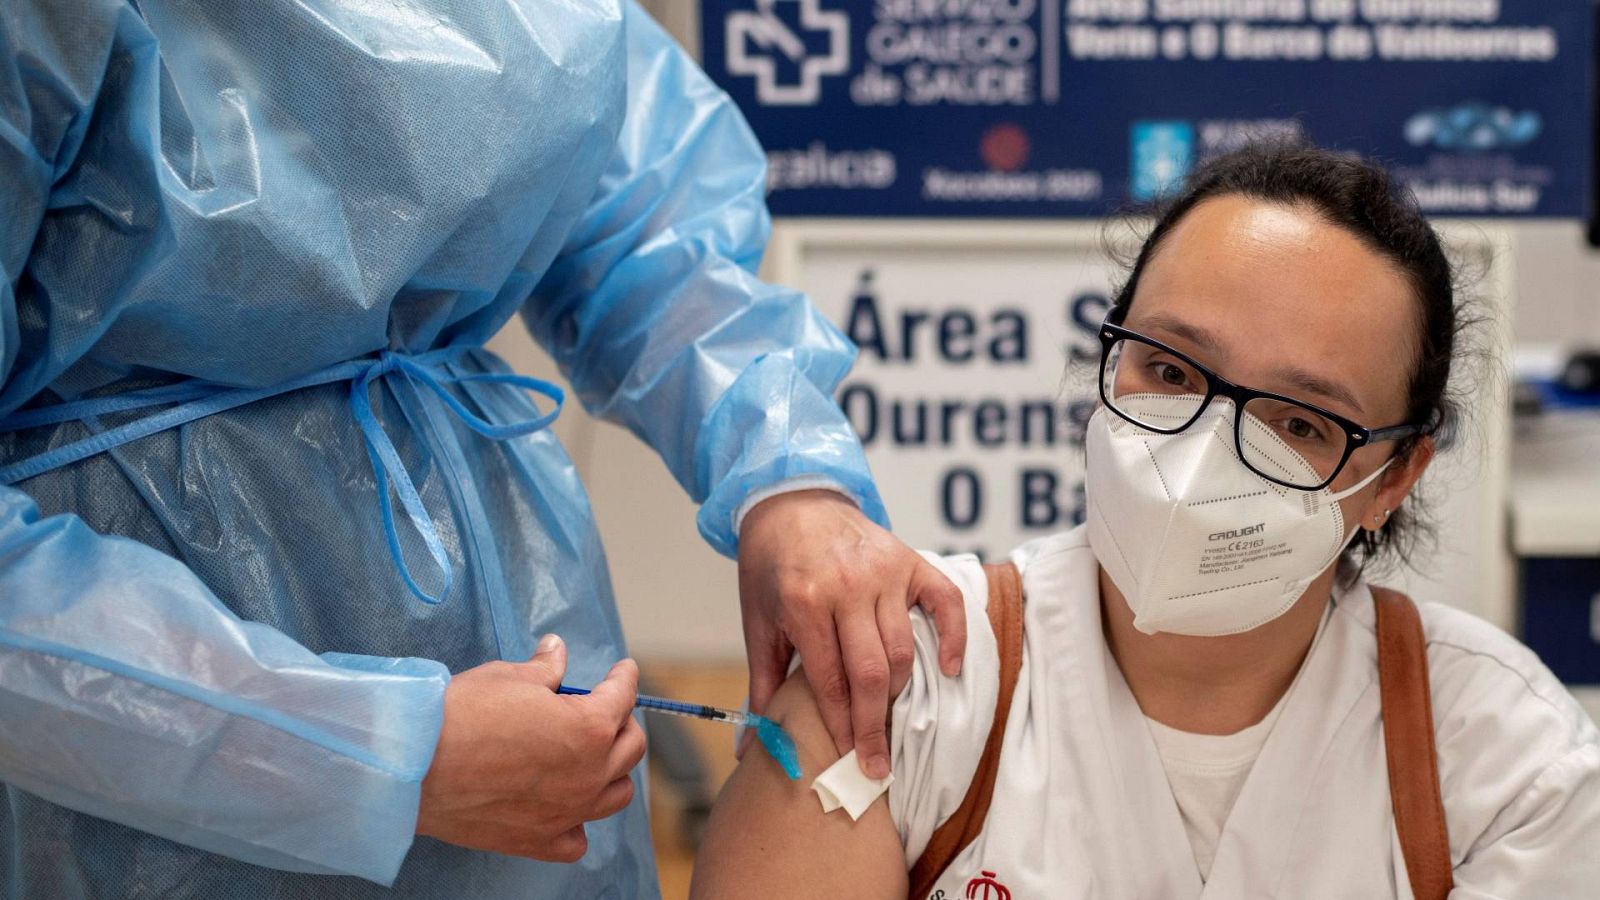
1554,507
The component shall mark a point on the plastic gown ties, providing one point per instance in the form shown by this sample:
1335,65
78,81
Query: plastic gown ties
197,399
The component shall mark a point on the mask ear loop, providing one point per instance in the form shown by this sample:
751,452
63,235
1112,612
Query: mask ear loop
1356,488
1335,497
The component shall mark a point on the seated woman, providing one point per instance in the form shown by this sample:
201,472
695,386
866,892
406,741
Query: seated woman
1199,709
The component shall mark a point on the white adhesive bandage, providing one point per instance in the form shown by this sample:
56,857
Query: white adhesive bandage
844,786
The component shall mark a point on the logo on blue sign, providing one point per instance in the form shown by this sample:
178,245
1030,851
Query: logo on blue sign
1473,127
1163,153
763,45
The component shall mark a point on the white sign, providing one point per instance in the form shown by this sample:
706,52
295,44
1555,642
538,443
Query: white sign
976,372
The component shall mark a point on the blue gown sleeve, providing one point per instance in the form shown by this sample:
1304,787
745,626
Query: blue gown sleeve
127,691
653,311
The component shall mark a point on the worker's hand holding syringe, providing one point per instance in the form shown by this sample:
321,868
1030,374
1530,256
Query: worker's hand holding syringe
520,768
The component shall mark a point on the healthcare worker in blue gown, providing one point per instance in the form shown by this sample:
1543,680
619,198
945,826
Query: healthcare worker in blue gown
278,538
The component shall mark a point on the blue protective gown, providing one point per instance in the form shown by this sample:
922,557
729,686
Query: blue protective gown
288,226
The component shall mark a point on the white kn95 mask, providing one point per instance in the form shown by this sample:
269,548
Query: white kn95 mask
1196,542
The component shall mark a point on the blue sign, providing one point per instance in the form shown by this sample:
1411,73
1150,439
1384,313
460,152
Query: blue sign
1085,107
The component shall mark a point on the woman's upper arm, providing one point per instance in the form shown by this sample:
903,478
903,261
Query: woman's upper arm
769,837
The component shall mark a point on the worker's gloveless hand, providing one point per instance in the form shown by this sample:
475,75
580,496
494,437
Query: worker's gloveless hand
818,576
520,768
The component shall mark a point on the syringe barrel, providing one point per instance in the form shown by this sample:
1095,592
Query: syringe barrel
693,710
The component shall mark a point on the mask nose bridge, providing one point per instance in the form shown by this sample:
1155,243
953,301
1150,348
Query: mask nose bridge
1211,433
1217,424
1221,423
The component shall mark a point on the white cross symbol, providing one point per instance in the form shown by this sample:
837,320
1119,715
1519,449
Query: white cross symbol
766,30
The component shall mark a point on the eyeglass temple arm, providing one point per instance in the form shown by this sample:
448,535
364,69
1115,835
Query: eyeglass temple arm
1393,433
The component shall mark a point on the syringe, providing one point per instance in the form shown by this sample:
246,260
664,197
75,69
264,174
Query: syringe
772,736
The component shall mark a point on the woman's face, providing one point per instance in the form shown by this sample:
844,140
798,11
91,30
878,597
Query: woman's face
1275,298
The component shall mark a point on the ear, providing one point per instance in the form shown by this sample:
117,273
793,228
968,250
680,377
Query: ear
1396,483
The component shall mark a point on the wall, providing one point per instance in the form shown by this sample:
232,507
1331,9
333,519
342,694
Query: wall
1558,283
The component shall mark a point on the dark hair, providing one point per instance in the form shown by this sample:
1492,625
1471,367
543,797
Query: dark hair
1361,198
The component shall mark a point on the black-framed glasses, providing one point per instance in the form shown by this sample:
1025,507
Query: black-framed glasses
1286,441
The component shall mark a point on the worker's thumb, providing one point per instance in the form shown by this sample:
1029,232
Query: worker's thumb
549,663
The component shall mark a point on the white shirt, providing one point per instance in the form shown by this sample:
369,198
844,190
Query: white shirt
1082,807
1206,772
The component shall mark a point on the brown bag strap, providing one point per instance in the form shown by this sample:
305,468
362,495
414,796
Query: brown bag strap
1408,743
1005,617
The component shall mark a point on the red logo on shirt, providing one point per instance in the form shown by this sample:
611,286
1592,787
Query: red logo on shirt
979,888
